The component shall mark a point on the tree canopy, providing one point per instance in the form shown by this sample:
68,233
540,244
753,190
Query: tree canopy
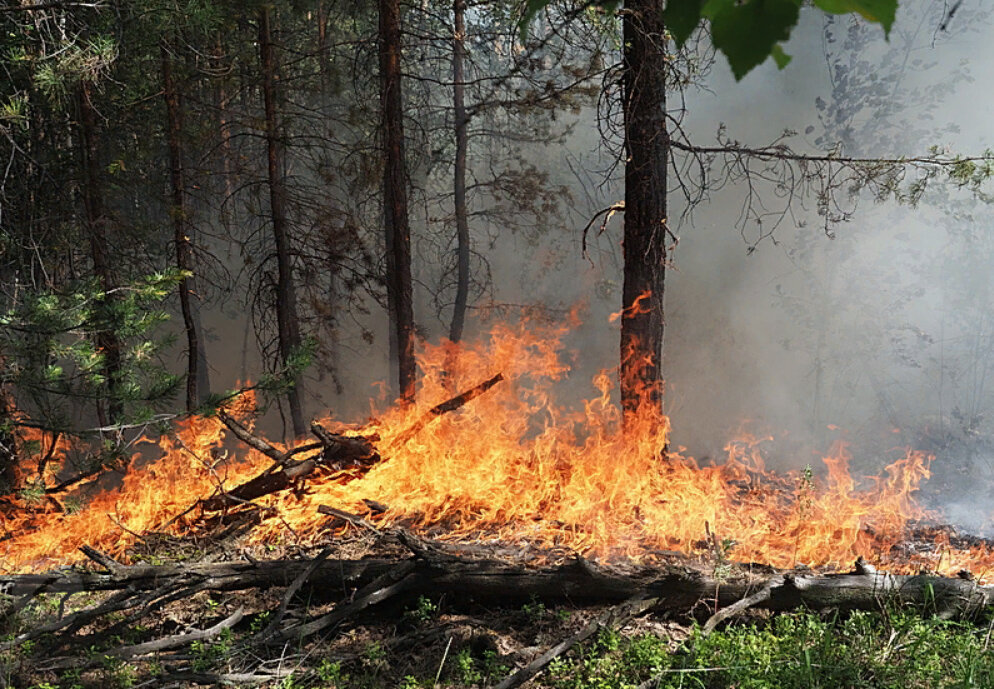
746,32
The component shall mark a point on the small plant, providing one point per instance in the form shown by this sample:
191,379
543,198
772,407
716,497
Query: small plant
410,682
209,654
423,611
119,674
466,671
331,675
534,610
491,668
259,622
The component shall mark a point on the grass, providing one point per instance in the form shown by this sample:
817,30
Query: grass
890,650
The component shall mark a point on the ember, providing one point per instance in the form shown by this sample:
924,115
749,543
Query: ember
513,465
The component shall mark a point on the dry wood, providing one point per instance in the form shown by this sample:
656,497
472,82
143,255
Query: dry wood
352,454
146,648
449,405
437,570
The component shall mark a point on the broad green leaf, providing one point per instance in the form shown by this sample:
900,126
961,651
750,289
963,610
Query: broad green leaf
880,11
746,32
682,17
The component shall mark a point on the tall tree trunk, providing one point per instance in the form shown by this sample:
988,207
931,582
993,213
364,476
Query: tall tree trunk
224,131
647,152
399,285
181,229
287,321
106,340
459,183
323,66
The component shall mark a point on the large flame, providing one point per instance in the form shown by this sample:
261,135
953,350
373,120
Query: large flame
517,466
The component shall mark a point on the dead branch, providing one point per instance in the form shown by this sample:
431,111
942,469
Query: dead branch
381,588
349,455
449,405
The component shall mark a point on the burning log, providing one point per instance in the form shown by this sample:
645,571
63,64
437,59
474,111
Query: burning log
354,455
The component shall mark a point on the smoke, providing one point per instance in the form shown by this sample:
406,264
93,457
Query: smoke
881,336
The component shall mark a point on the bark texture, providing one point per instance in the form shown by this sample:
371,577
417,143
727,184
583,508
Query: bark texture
461,122
181,226
647,154
287,320
398,232
106,339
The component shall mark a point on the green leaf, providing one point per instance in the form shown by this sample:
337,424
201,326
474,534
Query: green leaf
880,11
779,56
746,32
681,18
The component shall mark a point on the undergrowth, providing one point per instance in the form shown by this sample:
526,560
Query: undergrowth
890,650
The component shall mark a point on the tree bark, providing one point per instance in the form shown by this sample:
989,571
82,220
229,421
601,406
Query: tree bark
443,571
459,183
106,339
399,284
287,321
647,154
224,132
181,228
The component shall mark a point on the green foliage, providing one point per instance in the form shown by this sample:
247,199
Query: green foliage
51,359
207,655
745,31
890,650
466,671
423,611
331,674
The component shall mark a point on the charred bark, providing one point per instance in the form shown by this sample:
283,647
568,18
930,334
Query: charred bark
678,587
647,154
398,232
181,227
106,338
461,122
287,320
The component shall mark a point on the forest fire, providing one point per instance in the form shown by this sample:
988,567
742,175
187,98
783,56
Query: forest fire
514,466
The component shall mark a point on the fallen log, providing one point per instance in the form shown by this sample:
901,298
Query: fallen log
349,455
678,587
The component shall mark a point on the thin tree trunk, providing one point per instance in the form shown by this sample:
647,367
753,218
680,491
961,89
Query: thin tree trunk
323,67
459,183
287,321
647,152
181,230
106,340
224,131
399,284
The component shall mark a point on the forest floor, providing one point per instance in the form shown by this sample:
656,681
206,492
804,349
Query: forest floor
431,640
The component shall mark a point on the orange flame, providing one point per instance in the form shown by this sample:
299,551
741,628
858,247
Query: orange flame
516,466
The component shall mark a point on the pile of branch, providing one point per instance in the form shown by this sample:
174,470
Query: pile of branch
437,569
348,457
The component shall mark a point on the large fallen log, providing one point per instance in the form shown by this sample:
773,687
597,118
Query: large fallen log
349,456
678,587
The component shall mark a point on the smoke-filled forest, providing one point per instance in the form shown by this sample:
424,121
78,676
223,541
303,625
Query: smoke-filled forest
478,343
